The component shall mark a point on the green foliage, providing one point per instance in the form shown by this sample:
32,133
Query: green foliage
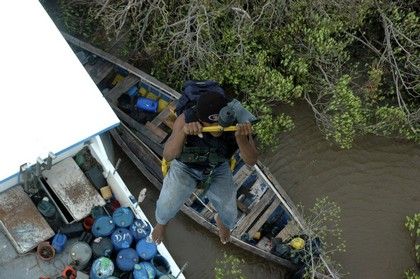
276,52
392,121
78,19
411,274
413,226
229,268
345,110
323,221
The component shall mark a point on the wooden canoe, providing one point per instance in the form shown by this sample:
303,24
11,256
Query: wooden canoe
265,210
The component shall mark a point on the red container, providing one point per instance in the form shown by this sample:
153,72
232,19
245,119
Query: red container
88,223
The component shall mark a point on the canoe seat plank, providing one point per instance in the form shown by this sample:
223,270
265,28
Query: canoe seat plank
121,88
257,226
158,132
255,211
21,220
166,116
290,230
241,175
100,70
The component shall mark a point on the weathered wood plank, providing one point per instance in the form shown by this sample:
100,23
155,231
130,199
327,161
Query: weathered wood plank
148,137
294,212
260,221
158,132
146,77
233,239
121,88
166,113
100,70
290,230
256,210
21,220
241,175
139,164
141,151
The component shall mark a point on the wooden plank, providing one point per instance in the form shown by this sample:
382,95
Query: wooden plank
256,210
148,137
242,207
21,220
294,212
158,132
290,230
164,115
170,120
100,70
121,88
130,68
237,241
257,226
73,188
241,175
139,164
141,151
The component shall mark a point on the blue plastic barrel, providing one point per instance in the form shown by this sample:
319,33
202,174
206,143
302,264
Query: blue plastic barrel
140,272
147,104
97,211
121,238
101,268
161,265
126,259
58,242
102,247
103,226
123,217
146,248
140,229
144,266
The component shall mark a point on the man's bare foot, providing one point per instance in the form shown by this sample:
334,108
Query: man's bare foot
158,232
224,233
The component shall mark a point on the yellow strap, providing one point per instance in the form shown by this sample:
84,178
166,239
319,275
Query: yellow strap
219,129
165,167
232,163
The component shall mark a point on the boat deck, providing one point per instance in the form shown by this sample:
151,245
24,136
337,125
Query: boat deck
29,266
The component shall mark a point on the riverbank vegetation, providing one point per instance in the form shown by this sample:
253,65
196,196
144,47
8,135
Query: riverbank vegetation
412,224
355,63
324,239
229,267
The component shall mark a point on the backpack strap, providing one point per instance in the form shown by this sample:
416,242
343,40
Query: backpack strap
190,115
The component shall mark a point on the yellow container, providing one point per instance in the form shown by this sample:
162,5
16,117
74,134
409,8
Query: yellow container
106,192
152,96
143,92
117,79
162,105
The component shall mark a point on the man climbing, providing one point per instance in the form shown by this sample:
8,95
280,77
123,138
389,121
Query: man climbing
203,157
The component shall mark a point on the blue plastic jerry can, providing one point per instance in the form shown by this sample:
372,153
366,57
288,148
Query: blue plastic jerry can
147,104
58,242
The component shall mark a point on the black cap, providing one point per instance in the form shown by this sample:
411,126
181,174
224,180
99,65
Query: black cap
209,105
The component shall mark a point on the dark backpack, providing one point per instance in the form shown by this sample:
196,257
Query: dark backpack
191,91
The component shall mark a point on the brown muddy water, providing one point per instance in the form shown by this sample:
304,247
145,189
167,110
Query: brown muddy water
376,184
